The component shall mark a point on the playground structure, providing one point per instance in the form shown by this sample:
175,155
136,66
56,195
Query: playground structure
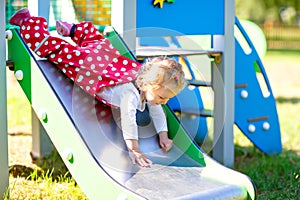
97,151
185,152
250,77
242,92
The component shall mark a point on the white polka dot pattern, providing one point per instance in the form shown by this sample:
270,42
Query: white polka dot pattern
93,62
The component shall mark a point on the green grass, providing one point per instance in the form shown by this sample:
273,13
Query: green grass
276,177
43,186
50,180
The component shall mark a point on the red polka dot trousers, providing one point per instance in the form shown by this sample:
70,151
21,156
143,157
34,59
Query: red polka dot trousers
91,62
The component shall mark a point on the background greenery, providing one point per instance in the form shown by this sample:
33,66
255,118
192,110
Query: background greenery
276,177
286,12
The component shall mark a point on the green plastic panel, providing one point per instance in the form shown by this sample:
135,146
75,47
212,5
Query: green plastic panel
182,139
117,42
18,53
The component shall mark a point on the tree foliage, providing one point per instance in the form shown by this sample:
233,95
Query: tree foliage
276,11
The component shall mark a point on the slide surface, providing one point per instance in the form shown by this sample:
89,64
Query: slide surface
87,135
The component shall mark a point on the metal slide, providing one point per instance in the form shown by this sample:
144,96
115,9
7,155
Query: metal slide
87,136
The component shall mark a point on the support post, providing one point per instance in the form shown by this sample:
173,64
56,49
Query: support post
223,150
123,19
39,8
4,183
41,143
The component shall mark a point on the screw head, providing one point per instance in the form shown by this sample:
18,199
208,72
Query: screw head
19,75
251,128
244,94
266,126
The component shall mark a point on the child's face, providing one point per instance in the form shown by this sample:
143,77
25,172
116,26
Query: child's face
157,96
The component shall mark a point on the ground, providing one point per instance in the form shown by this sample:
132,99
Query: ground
283,75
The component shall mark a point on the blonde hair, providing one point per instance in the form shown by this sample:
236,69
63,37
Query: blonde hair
161,72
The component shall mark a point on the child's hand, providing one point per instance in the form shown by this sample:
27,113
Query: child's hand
140,159
164,141
136,155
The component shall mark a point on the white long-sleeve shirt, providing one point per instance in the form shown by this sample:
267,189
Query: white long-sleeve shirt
128,99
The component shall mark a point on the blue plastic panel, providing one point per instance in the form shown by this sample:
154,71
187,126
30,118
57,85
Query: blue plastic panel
193,17
255,109
190,99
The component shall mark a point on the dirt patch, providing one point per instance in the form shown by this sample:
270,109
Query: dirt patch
24,171
19,148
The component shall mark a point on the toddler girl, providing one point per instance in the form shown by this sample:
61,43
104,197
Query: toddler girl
99,69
